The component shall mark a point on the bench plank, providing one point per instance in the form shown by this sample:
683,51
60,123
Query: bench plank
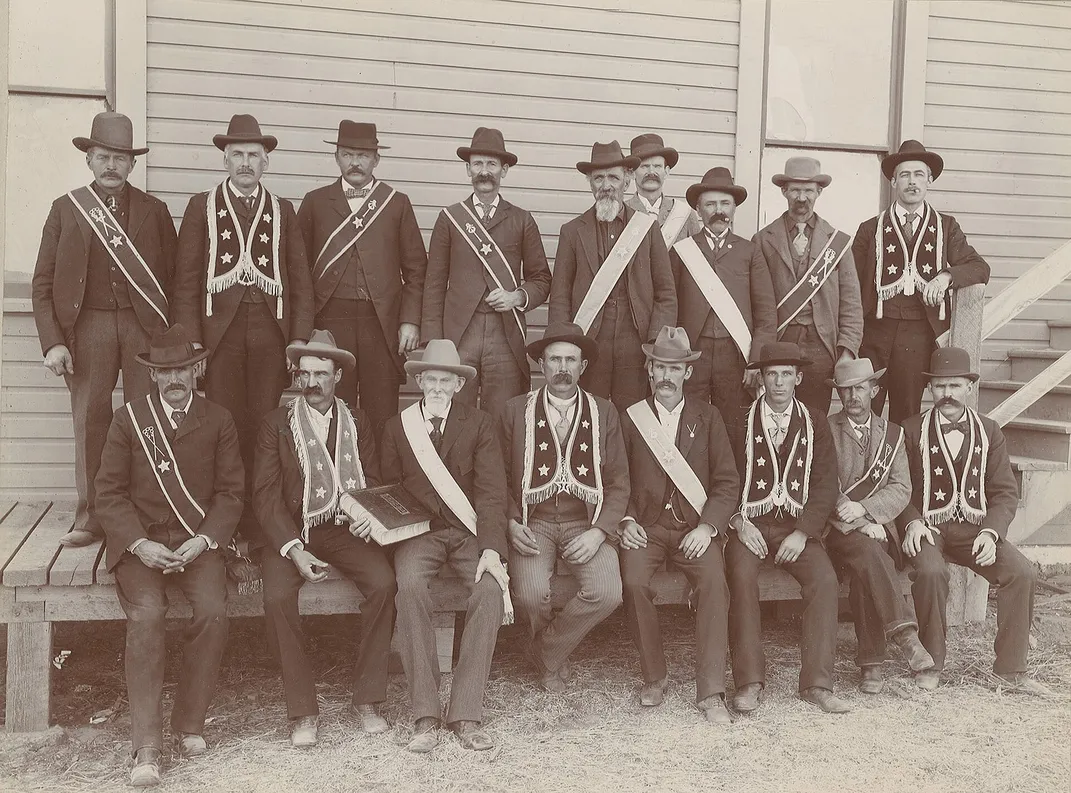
6,507
102,576
31,563
17,524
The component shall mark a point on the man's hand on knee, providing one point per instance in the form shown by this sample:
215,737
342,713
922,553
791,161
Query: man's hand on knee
748,533
490,562
522,539
917,531
311,568
156,555
791,547
582,549
874,531
984,549
632,535
695,543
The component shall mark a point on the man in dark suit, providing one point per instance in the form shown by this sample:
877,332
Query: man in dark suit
612,278
908,279
814,280
685,487
242,286
486,270
725,300
874,488
446,454
368,261
96,302
963,500
676,219
309,453
568,486
169,496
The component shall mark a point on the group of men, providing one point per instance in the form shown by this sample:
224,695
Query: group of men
646,443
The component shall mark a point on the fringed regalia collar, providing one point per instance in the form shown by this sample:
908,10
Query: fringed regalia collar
903,266
953,489
235,258
777,479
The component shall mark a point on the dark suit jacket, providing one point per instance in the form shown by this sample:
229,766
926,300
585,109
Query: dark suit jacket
391,253
741,267
648,277
278,484
191,278
129,499
710,457
472,455
615,481
457,281
1001,492
838,314
963,262
59,278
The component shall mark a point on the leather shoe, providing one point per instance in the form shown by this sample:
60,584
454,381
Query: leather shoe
871,680
304,732
714,710
565,671
472,736
146,770
928,679
1022,684
425,735
825,699
371,722
190,745
654,694
917,657
747,698
550,680
78,538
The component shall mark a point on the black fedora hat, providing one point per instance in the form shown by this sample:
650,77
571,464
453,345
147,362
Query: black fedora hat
488,140
564,331
245,129
780,353
607,155
357,135
110,131
951,362
912,150
171,348
651,145
719,179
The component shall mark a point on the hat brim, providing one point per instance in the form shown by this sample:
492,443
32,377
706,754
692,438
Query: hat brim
972,376
691,195
648,350
628,163
588,346
671,155
364,145
269,142
779,362
461,370
508,158
198,355
855,380
344,358
931,158
822,179
85,144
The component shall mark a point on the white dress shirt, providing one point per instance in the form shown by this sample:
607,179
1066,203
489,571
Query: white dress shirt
562,408
769,423
651,208
357,203
237,194
953,439
428,416
479,206
669,419
864,428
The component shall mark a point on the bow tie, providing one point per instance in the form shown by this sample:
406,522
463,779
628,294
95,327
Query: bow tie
955,426
353,192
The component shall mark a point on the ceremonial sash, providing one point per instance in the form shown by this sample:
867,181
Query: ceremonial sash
901,268
120,248
434,468
875,476
236,258
352,229
675,221
667,454
817,274
715,293
949,493
612,268
766,484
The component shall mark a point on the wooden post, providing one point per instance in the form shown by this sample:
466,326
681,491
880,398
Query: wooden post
29,667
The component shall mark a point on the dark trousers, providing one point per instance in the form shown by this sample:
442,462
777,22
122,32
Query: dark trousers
416,562
142,594
815,391
904,346
499,376
376,379
366,564
878,605
619,373
818,583
1012,575
718,378
706,575
104,343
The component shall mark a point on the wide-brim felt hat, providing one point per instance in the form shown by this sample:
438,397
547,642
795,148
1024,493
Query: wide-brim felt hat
912,150
245,129
670,346
951,362
651,145
716,179
802,169
357,135
607,155
488,140
853,371
171,348
568,332
780,353
439,355
321,345
110,131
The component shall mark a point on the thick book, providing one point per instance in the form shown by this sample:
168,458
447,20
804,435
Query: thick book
395,514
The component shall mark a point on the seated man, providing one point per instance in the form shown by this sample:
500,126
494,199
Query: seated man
169,496
963,501
568,487
875,488
308,453
446,454
789,491
684,489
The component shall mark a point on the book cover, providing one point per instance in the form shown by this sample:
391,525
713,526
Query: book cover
395,514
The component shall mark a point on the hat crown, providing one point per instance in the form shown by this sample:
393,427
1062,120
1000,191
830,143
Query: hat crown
802,169
440,352
603,154
911,147
487,138
853,370
671,343
112,130
718,176
950,362
779,351
357,134
243,125
169,347
646,145
322,338
562,330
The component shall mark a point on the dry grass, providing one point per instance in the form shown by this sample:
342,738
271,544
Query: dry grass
966,736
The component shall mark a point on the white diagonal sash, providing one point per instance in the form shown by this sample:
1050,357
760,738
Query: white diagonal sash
714,292
675,221
616,262
434,468
667,454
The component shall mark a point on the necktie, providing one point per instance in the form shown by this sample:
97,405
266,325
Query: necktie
248,201
715,242
955,426
781,419
178,416
799,243
353,192
437,432
487,210
860,432
113,205
909,223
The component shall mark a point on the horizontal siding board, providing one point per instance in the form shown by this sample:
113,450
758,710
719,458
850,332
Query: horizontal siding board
1012,185
944,138
1039,57
985,75
1020,35
999,98
1003,120
997,13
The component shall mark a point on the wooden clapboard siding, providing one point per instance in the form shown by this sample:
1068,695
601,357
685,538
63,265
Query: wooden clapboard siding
998,94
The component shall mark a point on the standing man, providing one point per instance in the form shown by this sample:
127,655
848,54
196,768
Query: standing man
675,218
909,259
368,261
486,269
100,290
447,455
242,286
169,495
963,501
684,489
789,491
725,300
612,278
814,280
309,452
568,486
875,486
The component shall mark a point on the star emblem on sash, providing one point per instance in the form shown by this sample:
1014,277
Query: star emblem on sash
543,446
267,217
226,258
582,470
345,433
312,442
974,471
319,466
933,229
485,249
263,237
541,424
892,269
226,234
876,476
358,223
939,495
799,462
934,450
926,269
222,213
795,485
972,493
320,492
939,471
543,470
347,457
164,466
888,229
116,241
351,483
758,439
928,247
891,248
761,484
583,447
803,441
263,261
813,280
760,462
978,449
586,424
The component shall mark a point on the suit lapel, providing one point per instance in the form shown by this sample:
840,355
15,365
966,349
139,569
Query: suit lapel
139,210
500,214
664,209
820,238
192,421
339,202
877,435
454,425
83,225
780,241
689,426
586,232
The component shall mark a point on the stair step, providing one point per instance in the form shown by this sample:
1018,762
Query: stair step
1026,364
1060,334
1040,438
1021,463
1054,405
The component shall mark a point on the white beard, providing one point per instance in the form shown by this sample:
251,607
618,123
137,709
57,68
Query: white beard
607,209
